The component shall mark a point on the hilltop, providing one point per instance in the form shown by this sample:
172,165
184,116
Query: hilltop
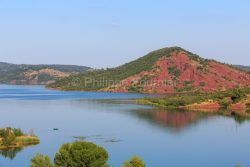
36,74
168,70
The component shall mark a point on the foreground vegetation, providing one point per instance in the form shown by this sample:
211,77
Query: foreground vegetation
234,101
81,154
15,138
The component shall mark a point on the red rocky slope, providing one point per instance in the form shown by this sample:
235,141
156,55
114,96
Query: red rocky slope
182,72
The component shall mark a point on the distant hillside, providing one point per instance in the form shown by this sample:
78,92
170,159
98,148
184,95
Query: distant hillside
36,74
246,68
168,70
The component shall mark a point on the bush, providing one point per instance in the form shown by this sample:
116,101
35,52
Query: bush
18,132
134,162
225,103
202,84
175,72
84,154
41,161
8,137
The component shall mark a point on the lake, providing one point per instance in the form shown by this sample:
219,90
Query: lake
114,121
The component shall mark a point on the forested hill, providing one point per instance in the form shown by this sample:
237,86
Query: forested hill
162,71
246,68
36,74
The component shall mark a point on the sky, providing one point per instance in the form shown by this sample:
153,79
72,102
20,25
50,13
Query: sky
108,33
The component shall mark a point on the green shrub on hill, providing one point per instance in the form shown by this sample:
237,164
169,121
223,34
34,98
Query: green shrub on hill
202,84
174,72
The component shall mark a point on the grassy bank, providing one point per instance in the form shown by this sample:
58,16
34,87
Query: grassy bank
235,101
15,138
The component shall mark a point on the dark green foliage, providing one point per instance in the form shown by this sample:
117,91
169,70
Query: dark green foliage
41,161
185,89
144,79
248,107
237,94
225,98
188,87
202,84
188,83
81,154
8,137
225,103
45,78
173,101
134,88
174,72
201,68
134,162
18,132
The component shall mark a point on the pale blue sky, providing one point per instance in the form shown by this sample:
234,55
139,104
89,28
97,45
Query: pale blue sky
107,33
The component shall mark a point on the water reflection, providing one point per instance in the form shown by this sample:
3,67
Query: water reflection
173,120
10,153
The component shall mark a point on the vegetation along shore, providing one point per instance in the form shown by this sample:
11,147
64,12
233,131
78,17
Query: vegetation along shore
16,138
229,102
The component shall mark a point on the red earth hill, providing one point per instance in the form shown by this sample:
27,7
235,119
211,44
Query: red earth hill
183,71
168,70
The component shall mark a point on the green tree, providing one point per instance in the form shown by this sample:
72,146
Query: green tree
225,102
8,137
41,161
81,154
18,132
134,162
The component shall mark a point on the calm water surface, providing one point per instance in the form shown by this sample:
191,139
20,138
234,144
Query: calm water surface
112,120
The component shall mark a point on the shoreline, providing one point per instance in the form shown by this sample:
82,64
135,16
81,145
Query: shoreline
21,141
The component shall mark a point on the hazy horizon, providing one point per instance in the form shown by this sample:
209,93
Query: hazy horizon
102,34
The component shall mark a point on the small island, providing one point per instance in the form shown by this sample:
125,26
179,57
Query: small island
15,138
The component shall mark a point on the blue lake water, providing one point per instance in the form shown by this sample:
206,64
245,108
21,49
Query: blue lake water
161,138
